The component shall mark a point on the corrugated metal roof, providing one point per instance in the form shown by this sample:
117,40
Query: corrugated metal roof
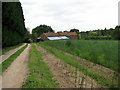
58,38
64,37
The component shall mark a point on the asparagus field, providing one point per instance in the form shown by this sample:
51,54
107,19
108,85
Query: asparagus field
102,52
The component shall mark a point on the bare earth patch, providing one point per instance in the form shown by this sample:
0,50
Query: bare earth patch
15,75
64,74
9,53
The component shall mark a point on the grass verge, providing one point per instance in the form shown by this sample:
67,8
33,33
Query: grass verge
10,48
105,82
8,61
40,75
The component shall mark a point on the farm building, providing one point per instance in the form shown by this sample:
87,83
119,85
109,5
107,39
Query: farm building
59,36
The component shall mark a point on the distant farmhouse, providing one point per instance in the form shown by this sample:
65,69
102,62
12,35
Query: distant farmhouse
58,36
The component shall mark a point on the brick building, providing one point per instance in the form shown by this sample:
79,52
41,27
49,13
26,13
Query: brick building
59,36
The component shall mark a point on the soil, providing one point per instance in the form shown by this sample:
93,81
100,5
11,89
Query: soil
9,53
64,74
15,75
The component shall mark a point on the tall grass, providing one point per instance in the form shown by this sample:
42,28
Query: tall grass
103,52
40,75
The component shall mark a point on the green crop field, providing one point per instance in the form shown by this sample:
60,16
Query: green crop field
105,82
103,52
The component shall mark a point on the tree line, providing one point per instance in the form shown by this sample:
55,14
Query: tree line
103,34
13,27
106,34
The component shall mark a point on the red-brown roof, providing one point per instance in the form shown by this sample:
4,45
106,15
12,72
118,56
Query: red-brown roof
49,34
67,33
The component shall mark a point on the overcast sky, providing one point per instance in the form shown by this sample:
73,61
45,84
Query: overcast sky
64,15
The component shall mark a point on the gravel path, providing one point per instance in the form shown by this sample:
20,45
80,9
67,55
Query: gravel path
15,75
9,53
61,73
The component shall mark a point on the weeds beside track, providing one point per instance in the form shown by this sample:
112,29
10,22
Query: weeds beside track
40,75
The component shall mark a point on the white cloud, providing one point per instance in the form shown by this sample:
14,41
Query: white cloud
67,14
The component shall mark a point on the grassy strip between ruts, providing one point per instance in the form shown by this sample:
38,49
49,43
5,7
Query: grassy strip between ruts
10,48
40,75
8,61
106,83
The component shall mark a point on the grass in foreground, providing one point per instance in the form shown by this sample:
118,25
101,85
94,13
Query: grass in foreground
103,52
40,75
10,48
8,61
105,82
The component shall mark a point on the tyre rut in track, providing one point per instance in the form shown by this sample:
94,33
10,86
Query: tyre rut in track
9,53
15,75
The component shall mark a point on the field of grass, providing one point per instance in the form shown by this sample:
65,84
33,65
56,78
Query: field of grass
10,48
103,52
104,82
8,61
40,75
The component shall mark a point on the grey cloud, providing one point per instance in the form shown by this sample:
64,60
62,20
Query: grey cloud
66,8
64,14
26,3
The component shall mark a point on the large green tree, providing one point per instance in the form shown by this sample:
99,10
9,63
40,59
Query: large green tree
75,30
42,29
13,27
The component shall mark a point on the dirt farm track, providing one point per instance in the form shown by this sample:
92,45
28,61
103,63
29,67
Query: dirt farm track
16,74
